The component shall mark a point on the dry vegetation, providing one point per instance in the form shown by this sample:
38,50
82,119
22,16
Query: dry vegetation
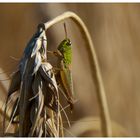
36,109
115,32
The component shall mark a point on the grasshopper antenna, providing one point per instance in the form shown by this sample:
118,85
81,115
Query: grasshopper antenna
65,29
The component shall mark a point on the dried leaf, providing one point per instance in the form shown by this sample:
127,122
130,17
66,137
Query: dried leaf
43,48
25,95
37,115
49,97
39,130
33,112
37,63
14,113
36,47
29,48
41,43
46,72
15,83
36,85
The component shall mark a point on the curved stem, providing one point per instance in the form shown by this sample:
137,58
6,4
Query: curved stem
104,112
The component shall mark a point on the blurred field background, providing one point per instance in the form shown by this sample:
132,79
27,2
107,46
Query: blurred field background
115,33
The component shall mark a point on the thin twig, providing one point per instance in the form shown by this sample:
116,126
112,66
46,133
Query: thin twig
12,117
61,126
104,111
68,132
57,125
36,117
65,115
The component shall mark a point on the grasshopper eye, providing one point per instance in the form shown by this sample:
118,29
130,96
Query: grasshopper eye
68,43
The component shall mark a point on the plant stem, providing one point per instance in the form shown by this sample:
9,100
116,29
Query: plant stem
104,111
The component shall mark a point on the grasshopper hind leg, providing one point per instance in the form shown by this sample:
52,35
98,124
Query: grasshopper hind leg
63,91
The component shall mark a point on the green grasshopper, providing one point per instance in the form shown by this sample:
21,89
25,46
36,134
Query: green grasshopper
64,75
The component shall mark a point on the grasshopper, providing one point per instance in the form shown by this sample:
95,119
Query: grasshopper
64,75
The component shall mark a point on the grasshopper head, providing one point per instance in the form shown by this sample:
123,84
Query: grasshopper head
64,46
